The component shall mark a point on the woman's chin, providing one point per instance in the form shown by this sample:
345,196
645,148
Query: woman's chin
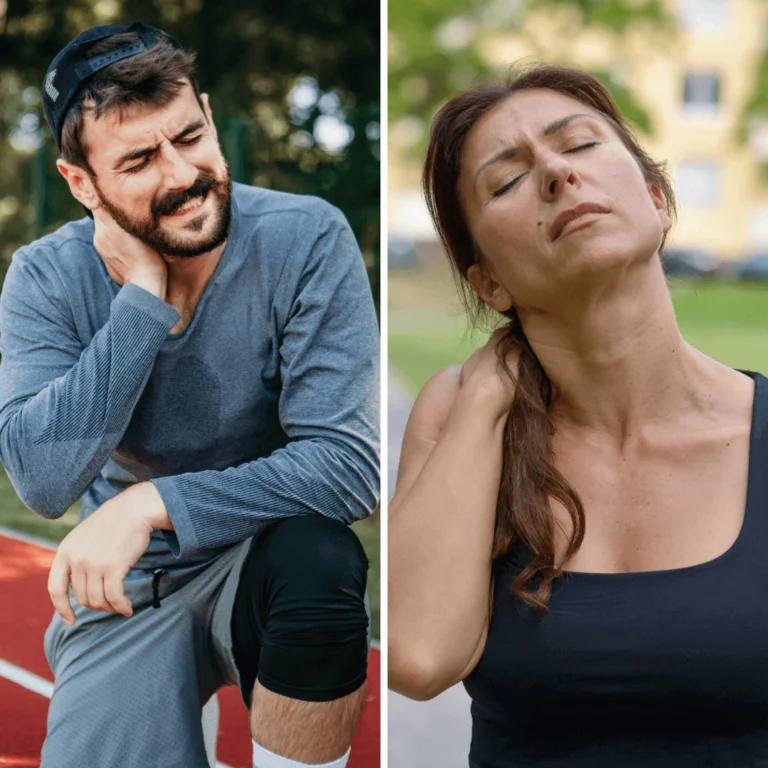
606,257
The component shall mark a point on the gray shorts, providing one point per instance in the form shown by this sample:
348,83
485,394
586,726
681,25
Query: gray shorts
129,691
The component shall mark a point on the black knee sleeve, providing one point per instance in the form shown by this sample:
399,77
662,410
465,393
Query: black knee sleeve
299,622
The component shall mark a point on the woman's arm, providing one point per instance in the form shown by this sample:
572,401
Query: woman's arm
441,524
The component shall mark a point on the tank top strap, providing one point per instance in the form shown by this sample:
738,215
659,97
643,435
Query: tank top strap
755,527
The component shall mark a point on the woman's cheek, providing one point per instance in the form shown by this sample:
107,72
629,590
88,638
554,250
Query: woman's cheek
499,238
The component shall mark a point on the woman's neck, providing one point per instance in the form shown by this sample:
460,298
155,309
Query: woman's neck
617,359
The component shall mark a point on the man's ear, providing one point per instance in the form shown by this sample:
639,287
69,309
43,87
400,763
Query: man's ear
80,184
660,204
208,114
488,288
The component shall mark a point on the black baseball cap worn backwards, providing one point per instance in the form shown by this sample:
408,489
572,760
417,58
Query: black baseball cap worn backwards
71,67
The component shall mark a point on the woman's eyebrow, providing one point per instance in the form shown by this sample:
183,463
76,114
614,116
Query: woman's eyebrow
549,130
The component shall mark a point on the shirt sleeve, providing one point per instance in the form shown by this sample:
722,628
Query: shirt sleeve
329,410
64,406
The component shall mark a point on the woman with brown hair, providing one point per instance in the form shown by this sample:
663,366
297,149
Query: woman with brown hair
581,514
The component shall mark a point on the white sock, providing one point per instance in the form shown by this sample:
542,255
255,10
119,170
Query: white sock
263,758
210,722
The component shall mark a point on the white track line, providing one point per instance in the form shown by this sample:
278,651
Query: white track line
27,538
39,685
26,679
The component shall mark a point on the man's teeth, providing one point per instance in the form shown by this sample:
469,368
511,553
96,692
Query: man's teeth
191,205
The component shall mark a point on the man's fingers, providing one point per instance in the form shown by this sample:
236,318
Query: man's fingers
97,601
113,590
79,580
95,591
58,589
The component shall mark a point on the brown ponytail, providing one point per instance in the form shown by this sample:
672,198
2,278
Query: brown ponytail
530,479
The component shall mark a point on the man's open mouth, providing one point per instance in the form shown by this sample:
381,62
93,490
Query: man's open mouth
189,207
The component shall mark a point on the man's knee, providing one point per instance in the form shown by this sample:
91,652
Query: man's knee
316,573
315,555
305,586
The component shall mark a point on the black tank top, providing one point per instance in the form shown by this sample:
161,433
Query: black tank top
660,668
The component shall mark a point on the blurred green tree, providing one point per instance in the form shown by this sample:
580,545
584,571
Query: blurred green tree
434,50
294,87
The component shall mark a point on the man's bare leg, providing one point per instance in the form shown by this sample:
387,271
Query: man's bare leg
311,732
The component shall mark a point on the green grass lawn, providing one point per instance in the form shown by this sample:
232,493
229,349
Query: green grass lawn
13,514
727,321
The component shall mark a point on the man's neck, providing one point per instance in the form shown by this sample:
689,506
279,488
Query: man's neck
189,276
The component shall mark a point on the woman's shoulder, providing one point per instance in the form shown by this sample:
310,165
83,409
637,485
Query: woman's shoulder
437,396
445,382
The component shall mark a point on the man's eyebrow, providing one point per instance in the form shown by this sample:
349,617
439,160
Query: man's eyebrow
137,154
510,152
198,125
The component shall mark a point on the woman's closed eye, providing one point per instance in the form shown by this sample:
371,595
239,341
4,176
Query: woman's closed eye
586,145
502,189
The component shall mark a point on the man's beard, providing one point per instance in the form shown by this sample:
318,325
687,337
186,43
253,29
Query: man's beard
149,231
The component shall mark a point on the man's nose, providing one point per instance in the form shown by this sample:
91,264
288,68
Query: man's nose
178,173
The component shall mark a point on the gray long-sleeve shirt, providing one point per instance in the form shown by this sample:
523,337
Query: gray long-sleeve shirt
266,406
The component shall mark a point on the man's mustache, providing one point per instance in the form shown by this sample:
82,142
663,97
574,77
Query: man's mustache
172,201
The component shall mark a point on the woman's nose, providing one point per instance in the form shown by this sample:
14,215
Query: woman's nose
557,176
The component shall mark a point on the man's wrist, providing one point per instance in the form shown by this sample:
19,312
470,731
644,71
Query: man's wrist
150,505
154,285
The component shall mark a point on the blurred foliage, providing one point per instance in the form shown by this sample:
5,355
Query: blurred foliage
435,49
627,104
251,57
424,68
616,16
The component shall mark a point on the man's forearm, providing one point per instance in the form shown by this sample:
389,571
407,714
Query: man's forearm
217,508
55,442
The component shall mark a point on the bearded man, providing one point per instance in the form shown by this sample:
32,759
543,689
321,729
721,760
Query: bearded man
198,361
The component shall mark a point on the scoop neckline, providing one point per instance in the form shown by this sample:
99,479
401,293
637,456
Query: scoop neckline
745,523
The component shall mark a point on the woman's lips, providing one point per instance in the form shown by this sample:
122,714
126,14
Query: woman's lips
585,220
568,215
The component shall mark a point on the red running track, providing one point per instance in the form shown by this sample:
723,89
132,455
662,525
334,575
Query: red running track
25,611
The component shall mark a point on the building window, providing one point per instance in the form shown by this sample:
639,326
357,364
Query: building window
701,92
703,15
698,183
757,229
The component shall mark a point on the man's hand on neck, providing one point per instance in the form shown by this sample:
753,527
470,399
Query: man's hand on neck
126,258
